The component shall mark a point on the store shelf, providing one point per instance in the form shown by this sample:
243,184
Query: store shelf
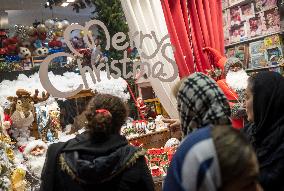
264,68
238,4
268,8
252,39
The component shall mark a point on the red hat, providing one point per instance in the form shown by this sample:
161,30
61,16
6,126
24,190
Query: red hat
218,58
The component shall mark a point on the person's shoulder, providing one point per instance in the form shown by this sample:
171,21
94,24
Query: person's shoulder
192,139
56,147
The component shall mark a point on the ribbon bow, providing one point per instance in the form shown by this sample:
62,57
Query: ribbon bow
105,112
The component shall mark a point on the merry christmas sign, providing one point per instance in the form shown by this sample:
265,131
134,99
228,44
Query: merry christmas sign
155,70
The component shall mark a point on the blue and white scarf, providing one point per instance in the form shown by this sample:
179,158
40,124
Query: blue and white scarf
195,166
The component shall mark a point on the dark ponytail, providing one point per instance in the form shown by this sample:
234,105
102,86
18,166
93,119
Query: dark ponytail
105,115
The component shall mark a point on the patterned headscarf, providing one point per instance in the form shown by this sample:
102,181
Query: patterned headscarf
201,102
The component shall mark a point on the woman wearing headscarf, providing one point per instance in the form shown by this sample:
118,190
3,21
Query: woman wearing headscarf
264,105
201,102
213,159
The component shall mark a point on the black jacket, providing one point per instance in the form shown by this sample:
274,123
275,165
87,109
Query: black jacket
81,164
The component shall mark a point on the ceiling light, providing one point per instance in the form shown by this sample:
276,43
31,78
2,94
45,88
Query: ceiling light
47,3
64,4
71,1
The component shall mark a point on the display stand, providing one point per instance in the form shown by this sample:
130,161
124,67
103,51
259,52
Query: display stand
153,140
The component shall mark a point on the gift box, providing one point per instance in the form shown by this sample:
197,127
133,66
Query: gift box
235,16
242,52
257,47
274,55
238,33
230,52
271,21
255,26
247,11
272,41
258,61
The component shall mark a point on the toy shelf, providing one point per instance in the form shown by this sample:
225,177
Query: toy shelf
252,39
238,4
264,68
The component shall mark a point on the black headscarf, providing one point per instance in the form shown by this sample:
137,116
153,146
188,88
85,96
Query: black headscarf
268,107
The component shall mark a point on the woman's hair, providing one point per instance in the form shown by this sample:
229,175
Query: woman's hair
234,153
251,82
105,115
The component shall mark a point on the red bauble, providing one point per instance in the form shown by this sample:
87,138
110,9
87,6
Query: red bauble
14,40
12,48
3,51
58,43
6,42
42,36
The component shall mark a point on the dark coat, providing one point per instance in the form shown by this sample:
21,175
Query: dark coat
81,164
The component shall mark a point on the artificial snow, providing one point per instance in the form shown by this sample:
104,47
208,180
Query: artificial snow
67,82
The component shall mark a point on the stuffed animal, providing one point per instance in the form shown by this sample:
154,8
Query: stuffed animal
22,113
24,52
41,51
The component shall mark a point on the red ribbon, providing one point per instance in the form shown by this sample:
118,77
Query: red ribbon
103,111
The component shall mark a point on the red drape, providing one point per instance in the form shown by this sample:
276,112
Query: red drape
193,25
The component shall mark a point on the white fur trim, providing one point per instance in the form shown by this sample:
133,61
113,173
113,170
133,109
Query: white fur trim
33,144
237,80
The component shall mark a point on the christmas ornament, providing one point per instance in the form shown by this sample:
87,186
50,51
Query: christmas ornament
49,23
58,25
41,28
65,24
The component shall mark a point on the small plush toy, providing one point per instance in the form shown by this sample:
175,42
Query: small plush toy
24,52
172,142
41,51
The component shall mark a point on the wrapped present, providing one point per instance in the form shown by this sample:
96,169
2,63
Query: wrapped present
247,11
235,16
255,26
272,41
271,21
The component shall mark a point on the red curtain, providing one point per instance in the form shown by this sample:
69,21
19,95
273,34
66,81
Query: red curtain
193,25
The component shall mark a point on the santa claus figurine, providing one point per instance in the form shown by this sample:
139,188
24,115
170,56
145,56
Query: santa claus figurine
34,155
233,84
141,105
